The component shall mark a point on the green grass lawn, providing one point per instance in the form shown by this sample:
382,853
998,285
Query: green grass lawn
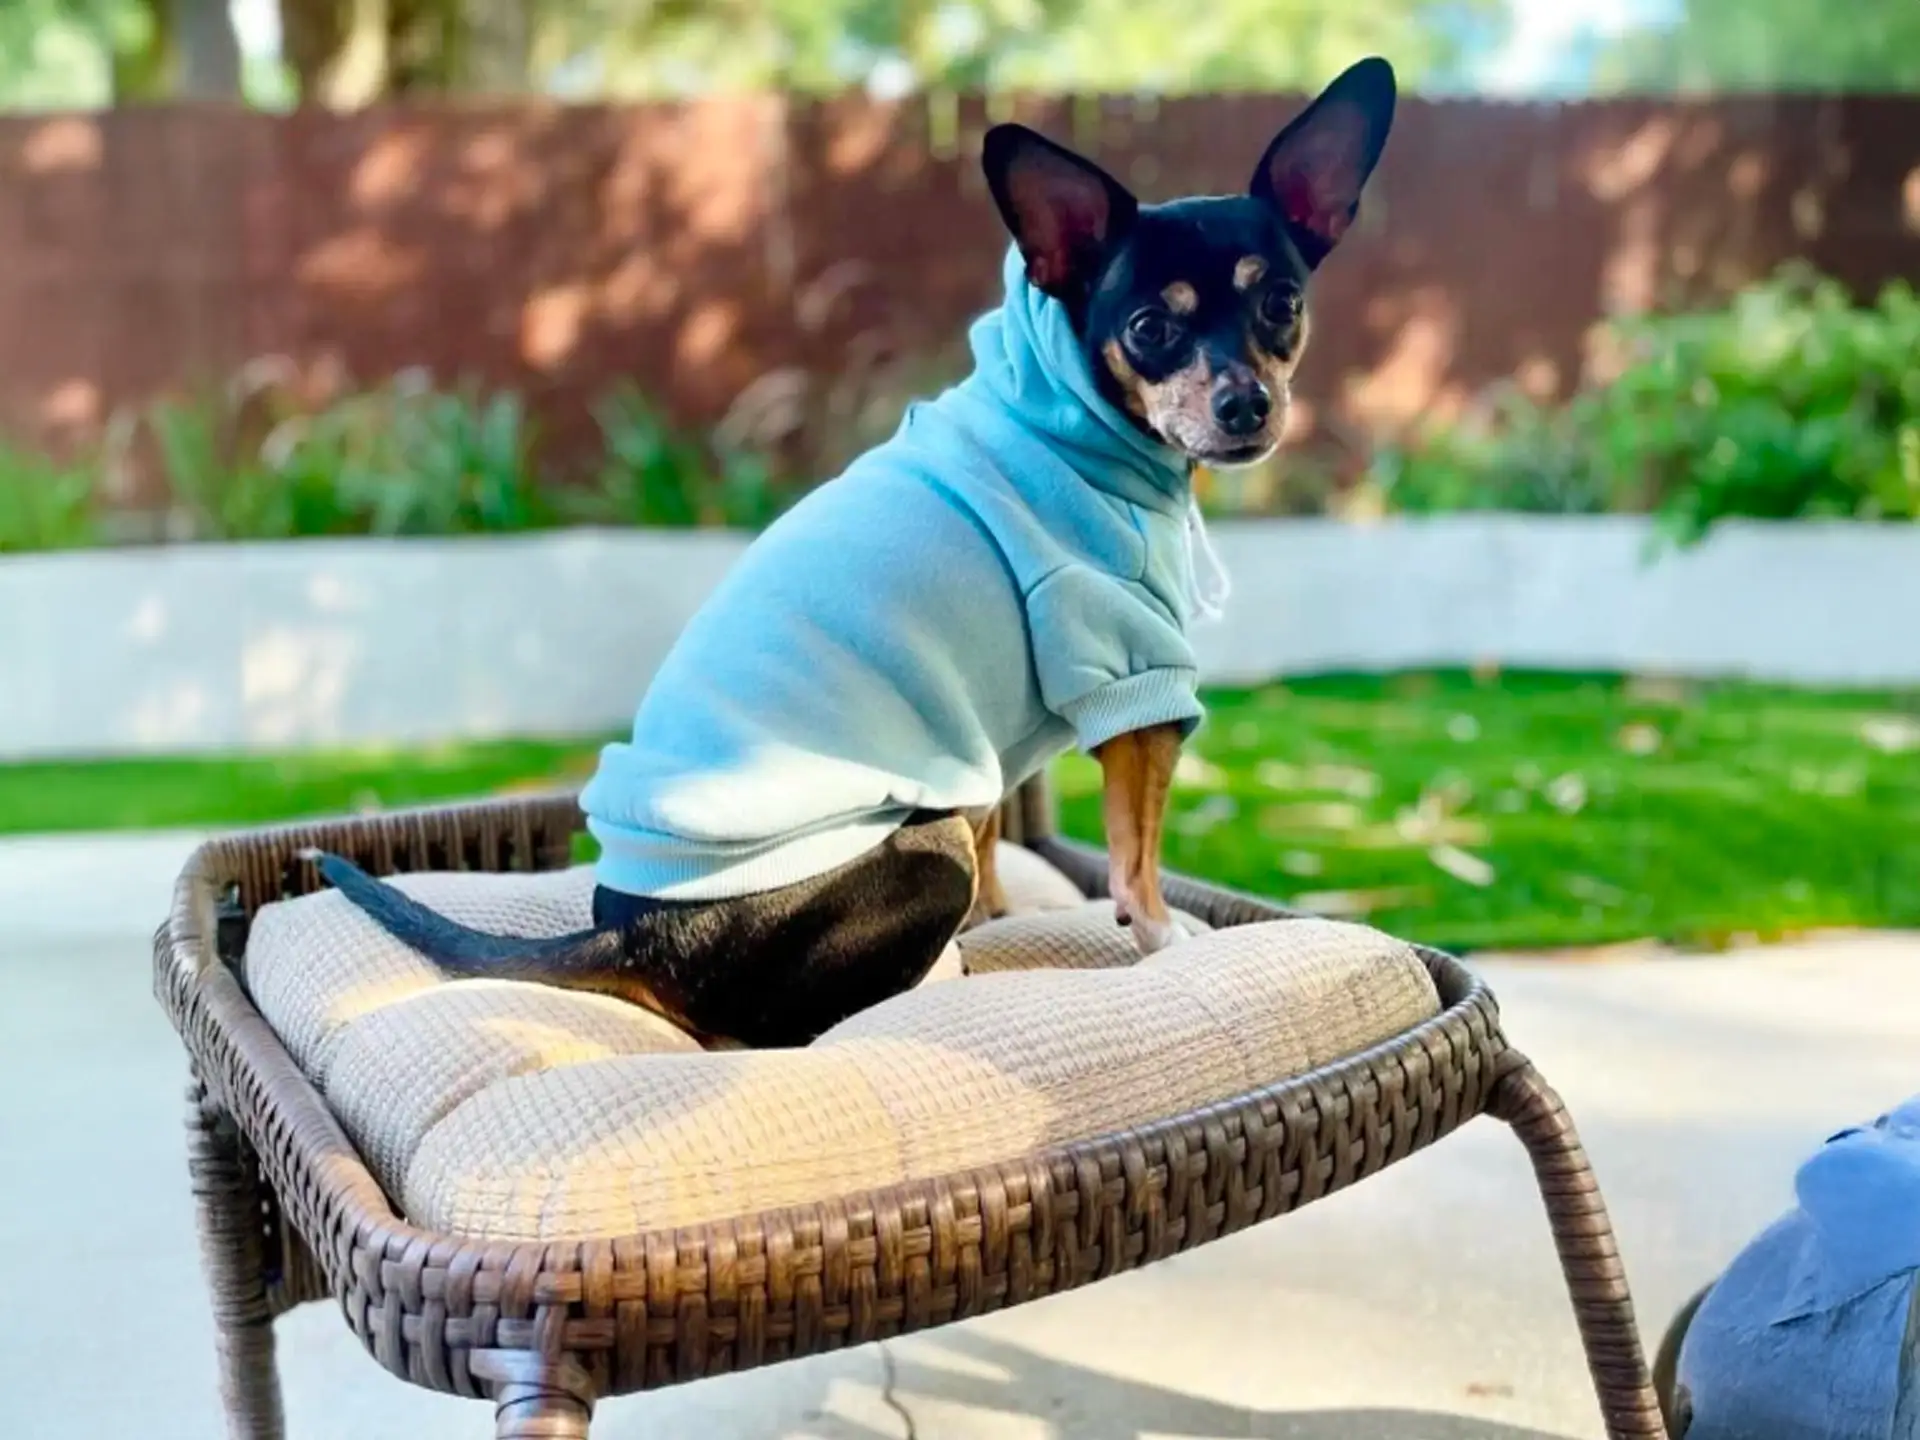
255,790
1521,810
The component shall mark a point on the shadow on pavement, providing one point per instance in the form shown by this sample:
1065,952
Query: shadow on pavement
1076,1403
1385,1425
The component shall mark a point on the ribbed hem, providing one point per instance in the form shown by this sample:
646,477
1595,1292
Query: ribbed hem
670,867
1153,697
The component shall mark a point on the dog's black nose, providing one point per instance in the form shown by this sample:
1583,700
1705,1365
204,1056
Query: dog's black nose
1241,407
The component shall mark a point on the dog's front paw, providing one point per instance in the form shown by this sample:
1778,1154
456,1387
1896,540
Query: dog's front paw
1151,936
1152,931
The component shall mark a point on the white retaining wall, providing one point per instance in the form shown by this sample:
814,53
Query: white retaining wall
346,642
1817,603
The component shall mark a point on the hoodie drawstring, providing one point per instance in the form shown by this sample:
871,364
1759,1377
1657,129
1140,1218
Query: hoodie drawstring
1207,599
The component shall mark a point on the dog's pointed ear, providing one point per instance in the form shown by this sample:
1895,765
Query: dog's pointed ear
1314,170
1065,212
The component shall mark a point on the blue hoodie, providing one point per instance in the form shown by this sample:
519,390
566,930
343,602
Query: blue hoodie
1008,576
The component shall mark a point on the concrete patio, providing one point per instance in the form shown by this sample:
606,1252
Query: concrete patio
1423,1305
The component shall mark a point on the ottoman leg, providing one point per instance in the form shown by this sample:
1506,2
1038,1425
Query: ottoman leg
536,1397
1583,1235
232,1256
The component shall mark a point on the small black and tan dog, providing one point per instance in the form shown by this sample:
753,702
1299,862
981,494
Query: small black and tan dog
1184,323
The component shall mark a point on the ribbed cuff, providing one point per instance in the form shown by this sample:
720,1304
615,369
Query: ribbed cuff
1153,697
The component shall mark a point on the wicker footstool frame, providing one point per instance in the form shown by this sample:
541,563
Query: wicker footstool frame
288,1212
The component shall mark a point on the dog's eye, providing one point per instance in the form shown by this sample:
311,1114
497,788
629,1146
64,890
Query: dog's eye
1153,330
1280,306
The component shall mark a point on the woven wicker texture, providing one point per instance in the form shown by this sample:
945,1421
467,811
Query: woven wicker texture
1084,937
942,1079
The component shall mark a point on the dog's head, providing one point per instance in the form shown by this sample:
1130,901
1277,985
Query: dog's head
1193,314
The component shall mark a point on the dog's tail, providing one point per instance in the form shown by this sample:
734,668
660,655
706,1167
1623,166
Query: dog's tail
584,960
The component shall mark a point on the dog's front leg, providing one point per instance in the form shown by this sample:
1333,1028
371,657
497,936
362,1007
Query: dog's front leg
1138,769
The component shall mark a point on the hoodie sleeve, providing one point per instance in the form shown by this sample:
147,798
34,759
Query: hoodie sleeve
1110,658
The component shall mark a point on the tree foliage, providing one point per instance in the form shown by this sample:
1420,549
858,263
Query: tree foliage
57,53
347,52
1732,45
67,53
642,46
1172,45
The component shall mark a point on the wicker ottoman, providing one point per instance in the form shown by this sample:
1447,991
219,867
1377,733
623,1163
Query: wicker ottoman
592,1206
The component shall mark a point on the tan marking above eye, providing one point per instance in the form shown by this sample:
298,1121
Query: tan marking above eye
1181,298
1247,271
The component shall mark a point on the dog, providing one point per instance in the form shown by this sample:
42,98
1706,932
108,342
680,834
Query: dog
805,814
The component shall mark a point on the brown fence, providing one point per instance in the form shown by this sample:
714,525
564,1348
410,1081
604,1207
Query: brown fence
700,248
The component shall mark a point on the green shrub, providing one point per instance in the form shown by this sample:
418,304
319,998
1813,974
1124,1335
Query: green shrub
411,459
1513,455
44,505
655,474
1789,403
218,487
254,461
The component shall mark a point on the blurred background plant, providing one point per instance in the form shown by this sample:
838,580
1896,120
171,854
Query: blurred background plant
1509,453
263,458
1790,402
1793,402
656,474
44,504
273,455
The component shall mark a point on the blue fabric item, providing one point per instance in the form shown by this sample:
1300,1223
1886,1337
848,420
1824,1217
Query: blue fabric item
1813,1331
1007,576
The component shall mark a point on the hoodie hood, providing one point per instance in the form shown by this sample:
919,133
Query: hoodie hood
1030,365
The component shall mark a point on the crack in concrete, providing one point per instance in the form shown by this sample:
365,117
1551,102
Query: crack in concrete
889,1378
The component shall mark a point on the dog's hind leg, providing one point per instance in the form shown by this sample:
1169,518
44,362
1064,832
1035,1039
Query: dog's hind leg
989,900
783,966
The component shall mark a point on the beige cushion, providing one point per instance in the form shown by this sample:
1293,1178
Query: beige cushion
315,966
1030,884
948,967
401,1069
506,1111
1084,938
